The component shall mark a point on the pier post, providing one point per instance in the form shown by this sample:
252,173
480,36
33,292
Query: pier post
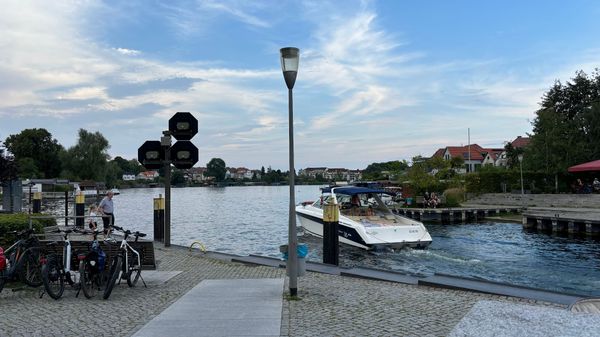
589,228
571,227
464,216
37,202
331,239
66,208
555,226
540,225
159,218
79,209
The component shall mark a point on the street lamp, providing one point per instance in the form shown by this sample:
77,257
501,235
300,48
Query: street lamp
520,157
290,58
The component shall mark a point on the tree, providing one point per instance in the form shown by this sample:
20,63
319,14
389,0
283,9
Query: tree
374,170
216,168
40,147
177,178
566,130
8,168
88,158
28,169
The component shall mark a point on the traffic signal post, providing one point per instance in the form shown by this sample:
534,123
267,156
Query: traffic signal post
153,154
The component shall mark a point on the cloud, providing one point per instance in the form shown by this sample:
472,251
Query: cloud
234,8
129,52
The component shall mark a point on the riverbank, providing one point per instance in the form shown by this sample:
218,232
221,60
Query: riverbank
329,305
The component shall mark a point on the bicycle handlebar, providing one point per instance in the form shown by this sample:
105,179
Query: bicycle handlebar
128,232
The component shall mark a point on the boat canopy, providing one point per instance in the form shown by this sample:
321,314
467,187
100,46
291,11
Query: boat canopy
352,190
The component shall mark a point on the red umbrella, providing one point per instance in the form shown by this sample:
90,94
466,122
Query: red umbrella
591,166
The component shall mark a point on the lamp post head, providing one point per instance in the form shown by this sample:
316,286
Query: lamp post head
520,157
290,57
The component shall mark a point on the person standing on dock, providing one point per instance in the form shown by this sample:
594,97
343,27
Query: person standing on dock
106,208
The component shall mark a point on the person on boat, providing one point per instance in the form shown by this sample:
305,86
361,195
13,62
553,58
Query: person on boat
355,205
596,185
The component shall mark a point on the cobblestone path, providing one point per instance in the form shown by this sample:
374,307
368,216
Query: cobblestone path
328,306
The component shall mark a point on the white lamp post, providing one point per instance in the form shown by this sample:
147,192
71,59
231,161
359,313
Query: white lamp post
520,157
290,58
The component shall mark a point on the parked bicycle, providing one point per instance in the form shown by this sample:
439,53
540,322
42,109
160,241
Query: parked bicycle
91,268
57,271
21,260
121,266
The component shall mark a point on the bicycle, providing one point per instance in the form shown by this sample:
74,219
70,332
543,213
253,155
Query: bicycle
91,268
23,260
56,271
132,273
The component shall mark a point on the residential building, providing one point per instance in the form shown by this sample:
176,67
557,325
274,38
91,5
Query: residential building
147,175
313,172
128,177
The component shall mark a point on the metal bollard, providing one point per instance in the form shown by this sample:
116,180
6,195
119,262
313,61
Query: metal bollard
79,210
331,240
159,218
37,202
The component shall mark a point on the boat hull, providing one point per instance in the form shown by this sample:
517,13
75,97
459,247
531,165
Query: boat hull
355,235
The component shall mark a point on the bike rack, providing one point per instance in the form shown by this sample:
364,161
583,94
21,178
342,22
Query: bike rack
201,246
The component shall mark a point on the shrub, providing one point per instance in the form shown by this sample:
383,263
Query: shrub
17,222
454,196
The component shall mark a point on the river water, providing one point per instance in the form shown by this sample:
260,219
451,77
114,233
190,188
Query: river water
254,220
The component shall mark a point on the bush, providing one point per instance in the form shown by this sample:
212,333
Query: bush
17,222
454,196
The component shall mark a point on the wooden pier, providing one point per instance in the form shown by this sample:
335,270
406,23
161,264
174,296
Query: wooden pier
456,214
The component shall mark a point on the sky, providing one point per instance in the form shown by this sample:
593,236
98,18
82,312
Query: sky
377,81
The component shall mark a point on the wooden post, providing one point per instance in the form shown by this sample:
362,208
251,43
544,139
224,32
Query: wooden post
331,240
159,218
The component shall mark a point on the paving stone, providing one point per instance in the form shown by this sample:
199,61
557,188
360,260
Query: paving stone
329,305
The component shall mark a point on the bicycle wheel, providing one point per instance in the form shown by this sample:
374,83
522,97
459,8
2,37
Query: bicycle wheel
52,276
2,279
88,279
30,270
134,275
115,270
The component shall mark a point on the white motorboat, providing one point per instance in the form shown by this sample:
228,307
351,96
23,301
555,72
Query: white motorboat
364,219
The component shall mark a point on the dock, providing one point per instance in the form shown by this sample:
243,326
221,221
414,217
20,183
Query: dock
563,220
456,214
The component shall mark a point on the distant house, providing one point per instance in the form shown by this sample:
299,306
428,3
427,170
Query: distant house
128,177
475,156
197,174
518,143
147,175
313,172
256,173
492,156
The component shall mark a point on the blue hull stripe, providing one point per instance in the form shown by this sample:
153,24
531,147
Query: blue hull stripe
343,231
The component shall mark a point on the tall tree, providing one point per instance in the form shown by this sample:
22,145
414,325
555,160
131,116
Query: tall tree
216,168
567,126
88,158
8,167
38,145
